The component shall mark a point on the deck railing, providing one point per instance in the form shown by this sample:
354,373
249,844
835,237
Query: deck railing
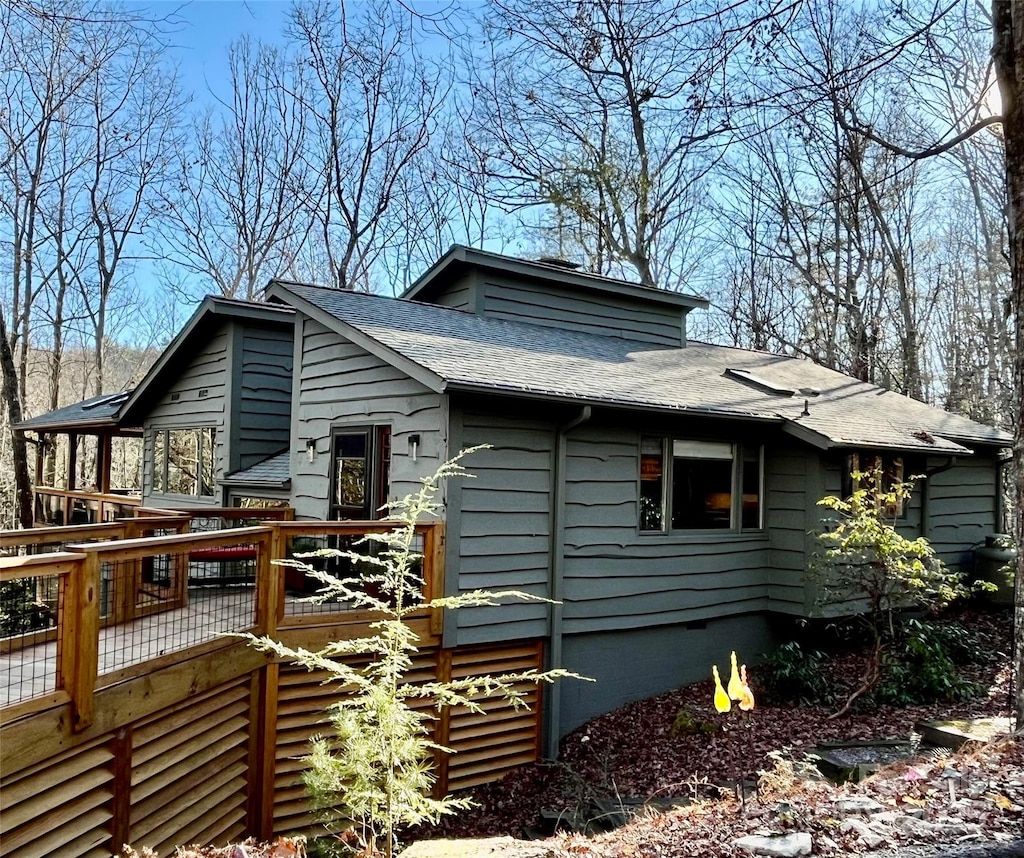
101,611
64,507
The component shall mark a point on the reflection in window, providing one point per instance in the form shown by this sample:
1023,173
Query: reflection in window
184,461
360,472
703,485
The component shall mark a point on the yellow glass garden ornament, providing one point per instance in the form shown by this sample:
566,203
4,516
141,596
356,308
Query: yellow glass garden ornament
746,695
735,685
722,703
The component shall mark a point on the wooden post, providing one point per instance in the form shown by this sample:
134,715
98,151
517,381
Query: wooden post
269,584
121,789
72,466
443,725
103,455
263,751
79,639
434,555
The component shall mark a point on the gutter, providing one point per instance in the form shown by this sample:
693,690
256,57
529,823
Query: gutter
556,580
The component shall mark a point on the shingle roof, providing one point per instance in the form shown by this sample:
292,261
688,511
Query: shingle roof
273,471
93,413
468,351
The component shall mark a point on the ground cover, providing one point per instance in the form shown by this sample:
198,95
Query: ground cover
943,799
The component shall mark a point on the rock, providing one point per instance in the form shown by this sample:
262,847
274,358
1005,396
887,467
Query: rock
858,804
919,828
507,847
871,839
777,845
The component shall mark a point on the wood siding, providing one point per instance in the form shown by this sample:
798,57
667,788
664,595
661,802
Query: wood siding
618,578
504,524
262,398
962,508
792,480
224,762
201,390
577,310
340,384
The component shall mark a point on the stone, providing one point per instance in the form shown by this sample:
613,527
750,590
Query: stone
920,828
508,847
858,804
777,845
871,839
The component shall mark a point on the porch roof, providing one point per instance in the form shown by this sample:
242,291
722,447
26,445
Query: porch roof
451,350
97,415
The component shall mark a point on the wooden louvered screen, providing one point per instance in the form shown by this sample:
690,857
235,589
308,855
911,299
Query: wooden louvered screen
178,777
491,745
488,746
189,771
62,806
182,775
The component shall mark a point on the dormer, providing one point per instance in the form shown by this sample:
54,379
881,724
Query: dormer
554,294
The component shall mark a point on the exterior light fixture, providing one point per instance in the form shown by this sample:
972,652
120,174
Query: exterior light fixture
414,446
311,450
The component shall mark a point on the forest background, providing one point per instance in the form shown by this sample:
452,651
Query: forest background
751,151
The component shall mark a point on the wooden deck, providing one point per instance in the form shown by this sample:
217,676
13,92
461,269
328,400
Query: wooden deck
137,719
211,612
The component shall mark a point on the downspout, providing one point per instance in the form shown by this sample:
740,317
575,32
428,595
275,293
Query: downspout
556,583
926,521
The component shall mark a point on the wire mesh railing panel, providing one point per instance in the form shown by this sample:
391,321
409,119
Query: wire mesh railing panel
301,589
160,604
31,617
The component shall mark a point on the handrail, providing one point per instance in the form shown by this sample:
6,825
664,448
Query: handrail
89,600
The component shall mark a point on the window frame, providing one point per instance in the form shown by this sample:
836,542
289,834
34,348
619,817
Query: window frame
894,468
739,462
376,477
161,439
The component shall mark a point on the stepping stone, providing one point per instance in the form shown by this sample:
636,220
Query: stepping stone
956,733
777,845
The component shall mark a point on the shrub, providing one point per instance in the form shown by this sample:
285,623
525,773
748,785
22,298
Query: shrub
791,674
921,665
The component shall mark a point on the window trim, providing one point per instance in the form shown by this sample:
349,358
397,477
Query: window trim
740,450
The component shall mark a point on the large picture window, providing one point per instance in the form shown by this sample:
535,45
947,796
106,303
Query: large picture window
184,461
700,485
360,472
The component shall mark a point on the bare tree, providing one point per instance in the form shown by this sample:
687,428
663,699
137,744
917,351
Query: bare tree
611,114
236,214
371,103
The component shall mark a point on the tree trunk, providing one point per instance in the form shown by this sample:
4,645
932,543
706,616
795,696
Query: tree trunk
19,447
1008,54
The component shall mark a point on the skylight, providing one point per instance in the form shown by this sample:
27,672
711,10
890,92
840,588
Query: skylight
763,383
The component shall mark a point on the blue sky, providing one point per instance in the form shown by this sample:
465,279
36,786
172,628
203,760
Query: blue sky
200,43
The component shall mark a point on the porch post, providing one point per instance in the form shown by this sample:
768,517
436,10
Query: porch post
103,447
72,460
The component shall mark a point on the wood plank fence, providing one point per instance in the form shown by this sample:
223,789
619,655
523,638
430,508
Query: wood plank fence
154,731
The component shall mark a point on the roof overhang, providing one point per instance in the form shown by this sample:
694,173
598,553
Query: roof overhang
460,257
97,415
822,441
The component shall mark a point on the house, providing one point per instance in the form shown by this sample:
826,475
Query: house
662,491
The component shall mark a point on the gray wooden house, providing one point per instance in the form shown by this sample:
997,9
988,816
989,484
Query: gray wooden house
662,491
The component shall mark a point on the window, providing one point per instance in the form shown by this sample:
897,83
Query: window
360,472
869,467
700,485
184,461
